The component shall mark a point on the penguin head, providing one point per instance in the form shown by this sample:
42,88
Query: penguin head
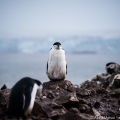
110,67
38,82
57,45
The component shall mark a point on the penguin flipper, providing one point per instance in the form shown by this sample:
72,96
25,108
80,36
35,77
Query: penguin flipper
66,69
47,68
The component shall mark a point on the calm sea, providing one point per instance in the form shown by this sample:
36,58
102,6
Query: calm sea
81,67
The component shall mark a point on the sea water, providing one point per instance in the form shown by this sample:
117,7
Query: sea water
80,67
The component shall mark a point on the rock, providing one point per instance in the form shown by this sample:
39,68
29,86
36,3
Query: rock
109,80
4,96
114,83
99,80
45,108
97,105
82,92
95,112
54,110
75,116
65,97
58,85
84,108
38,111
60,100
74,110
61,92
4,87
117,81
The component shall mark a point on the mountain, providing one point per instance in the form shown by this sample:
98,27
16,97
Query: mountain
74,44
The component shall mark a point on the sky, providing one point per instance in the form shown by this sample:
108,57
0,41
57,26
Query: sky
36,18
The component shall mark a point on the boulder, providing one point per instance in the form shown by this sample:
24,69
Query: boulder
47,109
61,92
58,85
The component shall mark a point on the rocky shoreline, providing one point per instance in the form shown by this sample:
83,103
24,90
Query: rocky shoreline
95,99
62,101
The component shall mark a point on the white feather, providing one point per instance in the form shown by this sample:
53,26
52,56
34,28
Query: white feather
23,100
56,64
33,94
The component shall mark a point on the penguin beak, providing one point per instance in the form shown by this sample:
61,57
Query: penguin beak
56,46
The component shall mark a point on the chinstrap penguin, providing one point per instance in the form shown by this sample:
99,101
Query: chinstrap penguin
56,65
112,67
22,97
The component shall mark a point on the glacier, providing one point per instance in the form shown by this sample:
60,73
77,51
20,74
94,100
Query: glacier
73,44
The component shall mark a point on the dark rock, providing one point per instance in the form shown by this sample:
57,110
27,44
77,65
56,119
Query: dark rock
82,100
47,109
38,111
74,110
82,92
117,83
67,99
4,96
60,100
61,92
97,105
114,83
83,108
110,80
4,87
58,85
75,116
105,80
99,80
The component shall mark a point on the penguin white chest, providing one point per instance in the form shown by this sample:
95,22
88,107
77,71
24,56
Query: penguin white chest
33,94
57,65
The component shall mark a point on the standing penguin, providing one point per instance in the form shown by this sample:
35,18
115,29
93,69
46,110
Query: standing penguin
56,65
22,97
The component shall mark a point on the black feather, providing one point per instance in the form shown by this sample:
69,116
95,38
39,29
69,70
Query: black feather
16,100
47,68
66,69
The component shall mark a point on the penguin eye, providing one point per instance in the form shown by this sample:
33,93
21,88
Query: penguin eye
55,46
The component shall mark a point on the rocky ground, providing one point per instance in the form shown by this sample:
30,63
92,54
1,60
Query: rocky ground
95,99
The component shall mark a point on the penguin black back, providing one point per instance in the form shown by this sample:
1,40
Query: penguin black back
20,96
110,63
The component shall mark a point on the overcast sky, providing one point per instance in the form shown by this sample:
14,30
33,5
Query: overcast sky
35,18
